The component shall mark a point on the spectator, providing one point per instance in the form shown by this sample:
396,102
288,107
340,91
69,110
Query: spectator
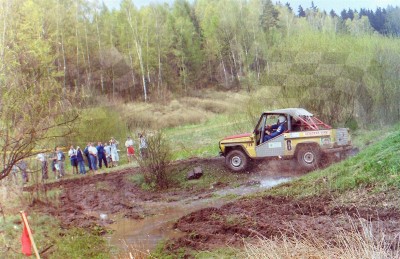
42,158
14,173
114,152
79,158
93,157
54,165
107,151
23,167
142,146
130,151
87,155
101,155
61,162
73,159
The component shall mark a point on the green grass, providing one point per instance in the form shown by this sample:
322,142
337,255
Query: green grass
78,243
213,174
45,232
72,243
220,253
201,140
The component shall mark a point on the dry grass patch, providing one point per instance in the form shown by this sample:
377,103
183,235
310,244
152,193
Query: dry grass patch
208,105
364,242
176,113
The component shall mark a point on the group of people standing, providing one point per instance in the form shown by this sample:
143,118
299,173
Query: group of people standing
93,156
96,156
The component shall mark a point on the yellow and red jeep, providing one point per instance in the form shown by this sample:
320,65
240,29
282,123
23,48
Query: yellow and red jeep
306,139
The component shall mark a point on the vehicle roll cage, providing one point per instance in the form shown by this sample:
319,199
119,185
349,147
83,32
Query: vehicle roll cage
310,123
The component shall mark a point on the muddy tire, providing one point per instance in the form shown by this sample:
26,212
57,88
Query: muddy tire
308,157
237,161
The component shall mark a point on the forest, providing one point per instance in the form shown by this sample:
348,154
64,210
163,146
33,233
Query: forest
71,52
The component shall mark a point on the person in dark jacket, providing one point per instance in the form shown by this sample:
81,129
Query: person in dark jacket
101,155
79,157
86,152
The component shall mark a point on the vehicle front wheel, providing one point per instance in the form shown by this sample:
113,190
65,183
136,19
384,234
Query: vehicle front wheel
308,157
237,160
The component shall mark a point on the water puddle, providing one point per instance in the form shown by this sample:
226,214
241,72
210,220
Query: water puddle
143,235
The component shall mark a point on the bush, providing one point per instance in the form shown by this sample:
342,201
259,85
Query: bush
99,124
154,164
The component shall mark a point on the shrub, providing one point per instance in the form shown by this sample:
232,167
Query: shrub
154,164
98,124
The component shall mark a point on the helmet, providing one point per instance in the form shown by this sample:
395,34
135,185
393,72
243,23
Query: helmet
281,118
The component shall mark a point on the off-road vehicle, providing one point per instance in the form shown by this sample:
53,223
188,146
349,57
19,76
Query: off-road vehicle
306,139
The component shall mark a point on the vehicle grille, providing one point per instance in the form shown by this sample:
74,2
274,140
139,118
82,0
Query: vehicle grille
342,137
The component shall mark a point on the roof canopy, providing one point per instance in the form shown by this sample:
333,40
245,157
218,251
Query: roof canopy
294,112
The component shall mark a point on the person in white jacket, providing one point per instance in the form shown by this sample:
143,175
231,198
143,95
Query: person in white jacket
114,151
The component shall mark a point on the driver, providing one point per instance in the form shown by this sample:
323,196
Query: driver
275,130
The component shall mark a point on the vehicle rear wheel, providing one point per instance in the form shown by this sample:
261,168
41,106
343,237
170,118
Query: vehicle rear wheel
308,157
237,160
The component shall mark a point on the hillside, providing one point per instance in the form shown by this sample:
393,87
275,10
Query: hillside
357,196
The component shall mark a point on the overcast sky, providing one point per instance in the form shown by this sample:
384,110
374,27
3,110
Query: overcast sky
327,5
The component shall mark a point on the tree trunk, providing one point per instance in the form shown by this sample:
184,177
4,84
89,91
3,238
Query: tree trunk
89,73
77,47
100,55
139,52
64,60
132,71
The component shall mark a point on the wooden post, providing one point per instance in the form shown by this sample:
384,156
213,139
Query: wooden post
30,233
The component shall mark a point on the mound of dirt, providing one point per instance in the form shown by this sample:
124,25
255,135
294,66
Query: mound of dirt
276,216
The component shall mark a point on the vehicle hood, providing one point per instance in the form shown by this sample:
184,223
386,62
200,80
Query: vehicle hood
243,135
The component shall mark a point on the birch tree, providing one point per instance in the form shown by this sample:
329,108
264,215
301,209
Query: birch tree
133,19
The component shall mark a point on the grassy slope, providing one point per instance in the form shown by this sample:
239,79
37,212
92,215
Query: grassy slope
375,169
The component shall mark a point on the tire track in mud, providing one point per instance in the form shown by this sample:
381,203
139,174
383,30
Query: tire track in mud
270,217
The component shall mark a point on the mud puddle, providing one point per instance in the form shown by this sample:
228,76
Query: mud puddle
145,234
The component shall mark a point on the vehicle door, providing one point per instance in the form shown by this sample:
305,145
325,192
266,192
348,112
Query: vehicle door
272,147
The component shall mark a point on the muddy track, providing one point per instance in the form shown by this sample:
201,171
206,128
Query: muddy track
272,217
84,199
